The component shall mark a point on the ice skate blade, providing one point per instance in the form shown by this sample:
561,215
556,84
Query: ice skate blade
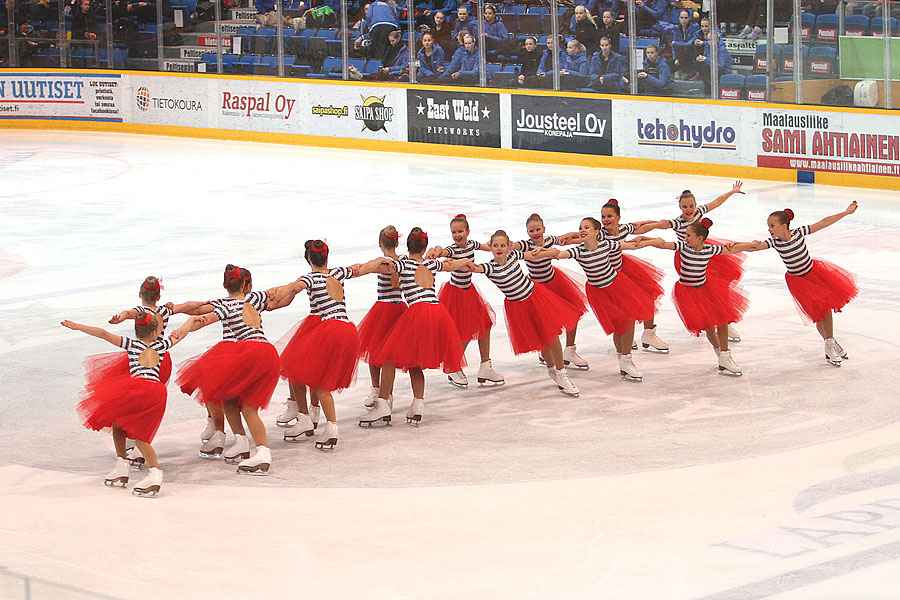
203,440
578,367
328,444
490,382
570,395
385,420
117,482
414,420
299,436
287,423
833,363
541,360
634,346
259,470
724,371
233,460
733,339
150,492
627,377
455,384
136,463
214,455
649,348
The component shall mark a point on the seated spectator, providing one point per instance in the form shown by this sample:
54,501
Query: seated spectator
84,22
655,76
584,28
683,46
464,24
651,17
704,64
395,60
496,36
431,60
464,67
607,69
573,74
42,11
443,34
144,12
609,28
30,40
380,20
545,67
530,57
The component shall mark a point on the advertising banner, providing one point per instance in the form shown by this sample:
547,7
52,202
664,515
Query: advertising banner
557,124
696,133
454,117
865,144
167,101
356,112
255,105
67,96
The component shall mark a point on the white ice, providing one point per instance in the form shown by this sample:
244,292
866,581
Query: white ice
784,483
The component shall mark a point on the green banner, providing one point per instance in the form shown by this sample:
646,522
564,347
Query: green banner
863,58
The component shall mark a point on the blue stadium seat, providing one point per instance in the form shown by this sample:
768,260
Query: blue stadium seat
826,31
877,26
755,88
759,59
822,62
856,25
786,65
731,86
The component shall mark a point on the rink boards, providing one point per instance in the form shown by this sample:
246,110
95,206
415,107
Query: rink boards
838,146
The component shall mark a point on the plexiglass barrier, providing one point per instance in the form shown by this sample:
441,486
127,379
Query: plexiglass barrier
806,52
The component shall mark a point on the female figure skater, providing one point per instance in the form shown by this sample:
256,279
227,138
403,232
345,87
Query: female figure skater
616,300
818,286
149,294
727,268
324,359
534,316
424,337
646,275
467,307
556,280
132,403
239,375
706,302
390,306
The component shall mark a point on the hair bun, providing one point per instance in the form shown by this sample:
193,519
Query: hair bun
706,222
612,201
789,213
535,215
460,216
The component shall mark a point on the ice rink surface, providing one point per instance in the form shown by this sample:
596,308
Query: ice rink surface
783,483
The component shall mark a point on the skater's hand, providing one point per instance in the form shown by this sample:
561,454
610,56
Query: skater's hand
736,188
177,335
851,209
115,320
70,324
170,305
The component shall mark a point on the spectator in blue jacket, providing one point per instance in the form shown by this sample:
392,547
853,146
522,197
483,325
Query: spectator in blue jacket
655,77
395,60
381,19
651,17
496,36
607,69
704,64
464,67
464,24
685,50
545,67
574,73
431,60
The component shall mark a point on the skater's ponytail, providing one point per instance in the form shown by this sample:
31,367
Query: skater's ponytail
614,205
316,253
460,218
145,324
234,278
150,289
247,279
784,216
417,241
389,237
500,233
701,228
534,218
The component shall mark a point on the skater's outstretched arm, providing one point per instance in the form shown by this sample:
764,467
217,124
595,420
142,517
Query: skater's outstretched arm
753,246
281,296
736,189
656,243
539,253
193,307
193,324
97,332
376,265
567,239
833,218
436,252
737,247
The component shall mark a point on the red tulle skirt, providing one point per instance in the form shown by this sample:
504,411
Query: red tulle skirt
620,304
425,336
827,287
644,274
113,396
165,369
729,267
325,358
376,325
715,303
468,309
246,371
534,322
564,285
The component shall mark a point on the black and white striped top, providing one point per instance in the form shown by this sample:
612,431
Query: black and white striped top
134,348
457,278
679,225
412,291
320,303
694,262
231,312
386,292
164,313
540,270
615,256
793,252
509,277
596,263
